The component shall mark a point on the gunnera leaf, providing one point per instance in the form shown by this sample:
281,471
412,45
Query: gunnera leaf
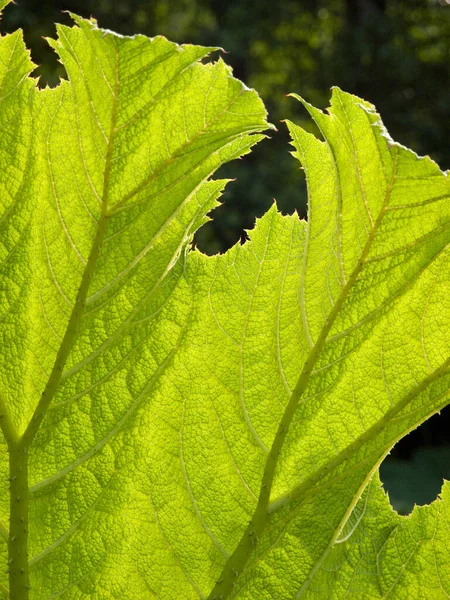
104,181
178,426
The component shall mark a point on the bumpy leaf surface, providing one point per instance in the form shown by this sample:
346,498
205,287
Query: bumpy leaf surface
209,427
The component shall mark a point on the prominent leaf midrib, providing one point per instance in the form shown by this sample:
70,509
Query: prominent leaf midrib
78,308
338,529
341,321
237,561
321,340
381,454
131,410
119,425
153,100
365,437
97,448
129,321
400,292
164,226
57,405
109,374
68,339
7,425
138,188
83,117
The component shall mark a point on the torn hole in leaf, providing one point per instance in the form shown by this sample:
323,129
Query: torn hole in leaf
414,471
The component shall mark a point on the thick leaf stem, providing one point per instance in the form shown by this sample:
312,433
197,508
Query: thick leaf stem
18,525
18,446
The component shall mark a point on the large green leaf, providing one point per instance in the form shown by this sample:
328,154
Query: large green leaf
104,181
183,426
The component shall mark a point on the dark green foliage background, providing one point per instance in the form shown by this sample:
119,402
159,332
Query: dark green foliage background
394,53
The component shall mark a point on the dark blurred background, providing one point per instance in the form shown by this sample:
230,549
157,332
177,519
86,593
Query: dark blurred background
394,53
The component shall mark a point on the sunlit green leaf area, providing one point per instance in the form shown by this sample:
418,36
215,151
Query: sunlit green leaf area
177,425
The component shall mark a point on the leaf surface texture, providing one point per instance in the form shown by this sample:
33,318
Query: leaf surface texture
163,390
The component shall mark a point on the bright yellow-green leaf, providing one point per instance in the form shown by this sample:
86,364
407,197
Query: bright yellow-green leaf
190,427
104,181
